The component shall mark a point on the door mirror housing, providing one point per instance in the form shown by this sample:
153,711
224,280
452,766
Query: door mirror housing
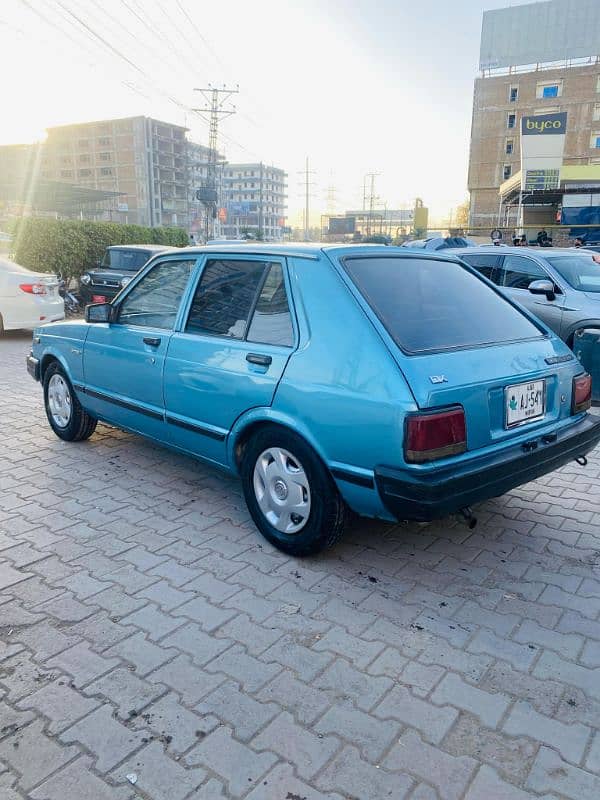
98,312
543,287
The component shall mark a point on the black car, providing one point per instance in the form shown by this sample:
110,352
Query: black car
117,268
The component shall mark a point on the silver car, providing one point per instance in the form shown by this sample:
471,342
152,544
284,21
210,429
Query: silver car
559,285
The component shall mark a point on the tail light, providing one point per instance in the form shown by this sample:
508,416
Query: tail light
33,288
435,434
581,394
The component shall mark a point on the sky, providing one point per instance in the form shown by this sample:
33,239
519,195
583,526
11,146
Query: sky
354,86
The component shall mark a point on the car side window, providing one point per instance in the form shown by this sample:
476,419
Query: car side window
485,264
154,301
225,297
272,322
518,272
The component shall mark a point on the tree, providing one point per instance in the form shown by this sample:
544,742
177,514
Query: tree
462,214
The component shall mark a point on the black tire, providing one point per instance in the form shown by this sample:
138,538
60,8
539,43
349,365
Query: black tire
328,512
80,425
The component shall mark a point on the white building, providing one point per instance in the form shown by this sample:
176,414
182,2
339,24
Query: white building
253,200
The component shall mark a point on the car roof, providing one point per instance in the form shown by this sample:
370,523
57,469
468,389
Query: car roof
313,250
154,248
540,252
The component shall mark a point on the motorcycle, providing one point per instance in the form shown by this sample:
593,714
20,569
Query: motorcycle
73,306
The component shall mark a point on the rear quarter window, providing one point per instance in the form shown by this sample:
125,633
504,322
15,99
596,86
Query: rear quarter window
429,305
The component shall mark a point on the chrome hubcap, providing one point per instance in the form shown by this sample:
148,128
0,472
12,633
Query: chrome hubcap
281,489
59,401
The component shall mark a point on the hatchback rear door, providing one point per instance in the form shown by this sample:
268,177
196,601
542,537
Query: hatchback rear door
459,342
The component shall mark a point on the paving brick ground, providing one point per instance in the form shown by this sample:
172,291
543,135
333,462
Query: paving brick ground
145,628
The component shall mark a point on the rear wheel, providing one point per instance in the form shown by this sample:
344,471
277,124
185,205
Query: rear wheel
290,494
66,416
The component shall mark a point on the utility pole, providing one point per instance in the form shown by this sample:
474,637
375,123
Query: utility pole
215,101
372,197
306,172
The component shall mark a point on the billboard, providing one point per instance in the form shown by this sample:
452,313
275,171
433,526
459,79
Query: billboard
238,209
542,146
537,33
341,225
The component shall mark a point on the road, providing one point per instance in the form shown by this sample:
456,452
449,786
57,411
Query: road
153,645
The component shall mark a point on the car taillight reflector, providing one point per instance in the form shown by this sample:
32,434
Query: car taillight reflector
434,435
582,393
33,288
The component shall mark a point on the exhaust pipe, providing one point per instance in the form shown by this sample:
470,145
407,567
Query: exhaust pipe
468,517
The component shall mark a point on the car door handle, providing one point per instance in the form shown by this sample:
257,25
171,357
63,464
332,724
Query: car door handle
256,358
153,341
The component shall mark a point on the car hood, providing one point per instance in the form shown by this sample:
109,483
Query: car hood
595,296
69,329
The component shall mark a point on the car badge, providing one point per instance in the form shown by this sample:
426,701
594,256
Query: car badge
438,379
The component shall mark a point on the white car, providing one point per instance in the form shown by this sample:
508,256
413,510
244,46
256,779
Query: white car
27,299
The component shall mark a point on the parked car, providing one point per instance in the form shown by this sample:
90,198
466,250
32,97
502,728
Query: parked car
27,298
399,384
560,285
440,243
119,265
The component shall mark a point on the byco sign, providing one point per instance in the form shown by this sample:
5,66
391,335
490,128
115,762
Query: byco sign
544,124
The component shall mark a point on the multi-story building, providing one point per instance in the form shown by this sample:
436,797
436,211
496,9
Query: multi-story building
531,86
253,201
146,169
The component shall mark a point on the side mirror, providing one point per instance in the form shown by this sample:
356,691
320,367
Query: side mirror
98,312
543,287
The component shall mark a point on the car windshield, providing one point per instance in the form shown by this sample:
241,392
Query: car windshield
126,260
429,305
580,271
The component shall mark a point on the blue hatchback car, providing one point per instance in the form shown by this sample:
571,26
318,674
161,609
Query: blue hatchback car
399,384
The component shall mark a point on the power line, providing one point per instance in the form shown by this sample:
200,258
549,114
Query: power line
306,172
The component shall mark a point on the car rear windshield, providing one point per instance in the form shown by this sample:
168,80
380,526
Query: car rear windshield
126,260
580,271
429,305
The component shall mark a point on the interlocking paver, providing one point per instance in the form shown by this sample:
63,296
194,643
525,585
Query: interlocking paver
105,737
433,722
441,662
353,777
245,714
17,751
158,775
241,767
76,780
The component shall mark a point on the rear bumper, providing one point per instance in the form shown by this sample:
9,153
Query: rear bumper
33,367
436,492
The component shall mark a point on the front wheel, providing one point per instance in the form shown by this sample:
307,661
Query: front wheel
66,416
290,494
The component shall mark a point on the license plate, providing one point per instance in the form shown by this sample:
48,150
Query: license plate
525,402
98,298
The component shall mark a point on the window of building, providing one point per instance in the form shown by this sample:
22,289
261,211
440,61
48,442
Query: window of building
511,120
104,141
510,147
513,94
83,144
506,171
595,141
546,110
66,173
104,156
84,158
106,171
545,89
596,112
65,160
84,173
